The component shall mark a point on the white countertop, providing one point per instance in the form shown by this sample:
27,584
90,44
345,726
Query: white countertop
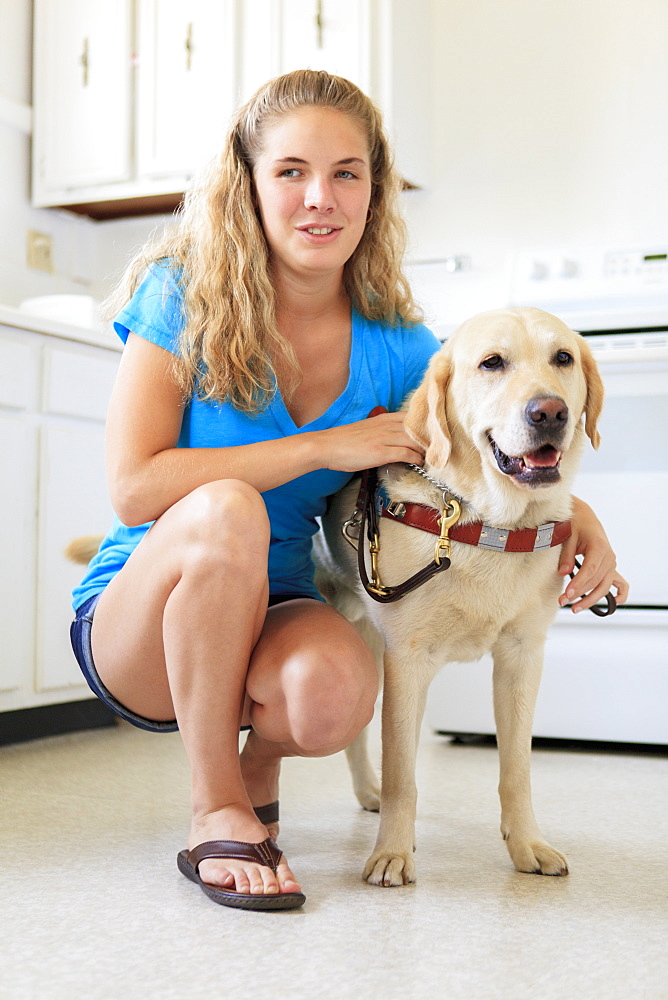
101,336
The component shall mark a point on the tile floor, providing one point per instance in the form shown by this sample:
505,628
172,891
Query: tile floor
92,905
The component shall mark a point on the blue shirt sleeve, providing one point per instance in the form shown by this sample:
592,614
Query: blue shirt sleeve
155,311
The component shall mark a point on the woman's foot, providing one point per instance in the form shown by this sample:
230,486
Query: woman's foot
237,822
260,770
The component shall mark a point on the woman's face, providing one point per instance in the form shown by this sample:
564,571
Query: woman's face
313,185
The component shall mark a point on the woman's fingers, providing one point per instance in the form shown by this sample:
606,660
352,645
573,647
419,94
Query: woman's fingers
598,572
591,584
622,587
369,443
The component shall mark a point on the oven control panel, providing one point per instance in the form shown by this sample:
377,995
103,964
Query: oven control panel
649,268
601,277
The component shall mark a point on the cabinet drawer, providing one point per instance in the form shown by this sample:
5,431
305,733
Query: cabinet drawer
78,384
18,374
18,447
73,501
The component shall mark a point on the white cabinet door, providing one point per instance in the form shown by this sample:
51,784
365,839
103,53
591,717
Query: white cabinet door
18,518
73,502
326,34
186,83
259,55
82,93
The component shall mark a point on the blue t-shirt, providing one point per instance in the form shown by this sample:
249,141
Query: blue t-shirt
386,363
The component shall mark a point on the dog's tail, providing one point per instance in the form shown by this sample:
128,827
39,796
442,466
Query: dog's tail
82,550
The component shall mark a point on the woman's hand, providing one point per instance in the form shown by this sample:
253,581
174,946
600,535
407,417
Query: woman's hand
376,441
598,573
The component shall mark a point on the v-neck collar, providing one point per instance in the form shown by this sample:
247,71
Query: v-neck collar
334,411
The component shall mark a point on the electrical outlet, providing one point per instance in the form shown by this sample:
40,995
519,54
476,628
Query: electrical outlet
40,251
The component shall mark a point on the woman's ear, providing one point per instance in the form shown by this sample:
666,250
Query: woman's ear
426,419
595,393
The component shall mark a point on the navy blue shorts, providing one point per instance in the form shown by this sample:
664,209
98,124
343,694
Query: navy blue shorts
80,634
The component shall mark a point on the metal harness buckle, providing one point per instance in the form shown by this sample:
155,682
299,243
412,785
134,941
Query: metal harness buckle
445,522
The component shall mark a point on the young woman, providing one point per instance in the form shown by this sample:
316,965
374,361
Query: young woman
258,336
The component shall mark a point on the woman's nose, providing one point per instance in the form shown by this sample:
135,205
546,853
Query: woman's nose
320,195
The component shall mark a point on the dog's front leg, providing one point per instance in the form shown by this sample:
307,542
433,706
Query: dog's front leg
403,705
518,661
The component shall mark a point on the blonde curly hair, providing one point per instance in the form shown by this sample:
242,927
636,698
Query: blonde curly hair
221,261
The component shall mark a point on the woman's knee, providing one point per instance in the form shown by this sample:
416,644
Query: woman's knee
330,698
225,524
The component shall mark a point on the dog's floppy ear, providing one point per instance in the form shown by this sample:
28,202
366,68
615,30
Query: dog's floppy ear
426,419
594,400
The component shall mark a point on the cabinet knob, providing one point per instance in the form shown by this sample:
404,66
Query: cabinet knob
539,270
189,47
318,23
83,61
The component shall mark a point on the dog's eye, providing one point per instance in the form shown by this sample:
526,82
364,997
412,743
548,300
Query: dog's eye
493,363
563,358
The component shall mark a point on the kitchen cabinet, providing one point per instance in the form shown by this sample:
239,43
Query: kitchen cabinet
325,34
131,97
53,398
186,84
82,137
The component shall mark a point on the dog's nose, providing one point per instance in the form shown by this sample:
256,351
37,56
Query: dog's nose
547,412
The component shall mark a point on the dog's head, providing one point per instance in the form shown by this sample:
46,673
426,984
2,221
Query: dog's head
514,384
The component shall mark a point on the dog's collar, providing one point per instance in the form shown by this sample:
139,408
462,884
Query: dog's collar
485,536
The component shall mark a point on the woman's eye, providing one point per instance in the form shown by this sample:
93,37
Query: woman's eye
345,174
493,363
289,172
563,358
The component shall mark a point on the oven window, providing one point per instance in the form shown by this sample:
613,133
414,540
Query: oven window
634,436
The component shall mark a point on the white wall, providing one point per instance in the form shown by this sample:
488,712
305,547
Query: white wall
550,126
73,238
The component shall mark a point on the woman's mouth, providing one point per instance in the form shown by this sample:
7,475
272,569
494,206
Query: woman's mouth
319,234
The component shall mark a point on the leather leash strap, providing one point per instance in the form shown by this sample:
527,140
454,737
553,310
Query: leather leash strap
367,502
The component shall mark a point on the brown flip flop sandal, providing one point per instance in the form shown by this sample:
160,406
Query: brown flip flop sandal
267,814
267,854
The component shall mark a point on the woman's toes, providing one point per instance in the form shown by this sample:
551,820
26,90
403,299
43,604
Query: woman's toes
257,880
216,874
286,880
242,883
263,881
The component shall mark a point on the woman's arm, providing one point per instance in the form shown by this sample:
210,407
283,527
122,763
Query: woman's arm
598,573
147,473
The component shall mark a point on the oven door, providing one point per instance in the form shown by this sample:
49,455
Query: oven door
626,481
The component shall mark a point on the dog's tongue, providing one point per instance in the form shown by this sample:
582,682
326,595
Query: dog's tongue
545,457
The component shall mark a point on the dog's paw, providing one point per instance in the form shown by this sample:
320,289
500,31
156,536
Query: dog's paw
537,857
388,868
369,797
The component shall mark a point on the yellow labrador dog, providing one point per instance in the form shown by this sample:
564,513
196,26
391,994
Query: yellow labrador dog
502,414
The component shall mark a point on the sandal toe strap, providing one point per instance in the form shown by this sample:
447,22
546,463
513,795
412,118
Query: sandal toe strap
266,853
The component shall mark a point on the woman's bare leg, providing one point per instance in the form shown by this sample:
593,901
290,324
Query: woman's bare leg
312,684
174,635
